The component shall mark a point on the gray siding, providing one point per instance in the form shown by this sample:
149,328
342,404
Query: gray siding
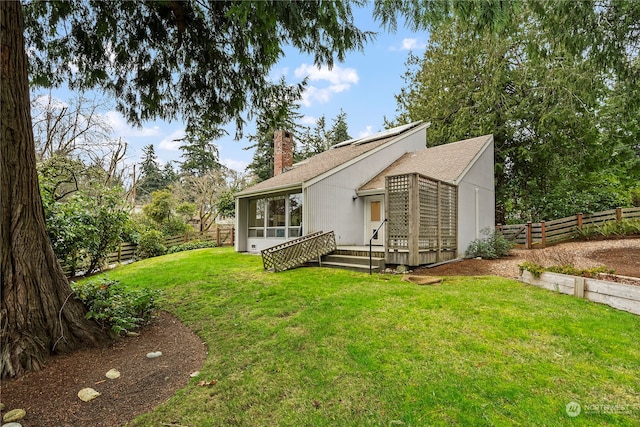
330,200
476,200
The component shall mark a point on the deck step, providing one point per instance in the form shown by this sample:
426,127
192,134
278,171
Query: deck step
352,262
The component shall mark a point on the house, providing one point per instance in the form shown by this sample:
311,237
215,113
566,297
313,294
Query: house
427,204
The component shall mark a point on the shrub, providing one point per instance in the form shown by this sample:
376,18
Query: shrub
150,244
114,307
624,227
194,244
536,270
493,245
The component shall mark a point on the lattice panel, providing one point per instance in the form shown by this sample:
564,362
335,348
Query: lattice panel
428,193
448,216
398,214
299,251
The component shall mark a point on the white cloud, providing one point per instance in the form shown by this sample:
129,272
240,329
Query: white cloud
42,101
122,128
169,142
410,44
339,80
367,132
336,75
236,165
308,120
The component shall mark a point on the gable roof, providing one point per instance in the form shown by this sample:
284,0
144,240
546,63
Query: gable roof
447,162
327,161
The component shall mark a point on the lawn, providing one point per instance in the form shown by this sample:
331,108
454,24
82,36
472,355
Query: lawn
322,347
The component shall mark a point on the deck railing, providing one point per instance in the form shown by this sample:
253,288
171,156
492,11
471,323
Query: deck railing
298,251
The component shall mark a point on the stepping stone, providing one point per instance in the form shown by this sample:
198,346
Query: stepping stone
421,280
87,394
14,415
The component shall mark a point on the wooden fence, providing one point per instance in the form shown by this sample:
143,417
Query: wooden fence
223,236
542,233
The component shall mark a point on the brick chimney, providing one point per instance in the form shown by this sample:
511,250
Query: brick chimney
282,151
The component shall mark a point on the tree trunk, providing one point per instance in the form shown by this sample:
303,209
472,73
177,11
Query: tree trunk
39,314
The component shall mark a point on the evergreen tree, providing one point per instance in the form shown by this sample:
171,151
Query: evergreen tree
279,111
199,154
543,109
151,177
339,131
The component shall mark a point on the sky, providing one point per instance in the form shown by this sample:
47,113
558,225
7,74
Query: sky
363,86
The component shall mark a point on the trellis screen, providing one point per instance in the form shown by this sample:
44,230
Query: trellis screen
422,214
398,211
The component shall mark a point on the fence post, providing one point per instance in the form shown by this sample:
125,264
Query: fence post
119,252
218,236
529,244
233,236
543,235
185,237
579,221
618,214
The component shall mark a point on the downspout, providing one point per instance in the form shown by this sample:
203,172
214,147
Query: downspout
477,213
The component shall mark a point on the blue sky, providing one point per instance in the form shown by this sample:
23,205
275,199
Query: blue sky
363,86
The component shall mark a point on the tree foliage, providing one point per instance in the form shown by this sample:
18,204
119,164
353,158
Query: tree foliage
85,218
279,111
318,138
204,61
550,113
200,155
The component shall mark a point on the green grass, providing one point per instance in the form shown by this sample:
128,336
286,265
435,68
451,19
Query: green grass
321,347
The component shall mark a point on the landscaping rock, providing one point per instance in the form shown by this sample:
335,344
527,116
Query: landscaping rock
154,354
1,406
14,415
402,269
87,394
112,374
12,425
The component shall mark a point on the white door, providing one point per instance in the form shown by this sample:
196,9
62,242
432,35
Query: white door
374,216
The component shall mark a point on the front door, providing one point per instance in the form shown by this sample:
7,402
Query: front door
374,217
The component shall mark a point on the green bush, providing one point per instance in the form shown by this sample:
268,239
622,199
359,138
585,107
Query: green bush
194,244
624,227
150,244
635,196
536,270
493,245
114,307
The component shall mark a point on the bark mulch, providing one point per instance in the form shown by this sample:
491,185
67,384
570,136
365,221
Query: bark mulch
50,395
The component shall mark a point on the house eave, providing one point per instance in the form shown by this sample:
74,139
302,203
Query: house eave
473,161
271,190
370,192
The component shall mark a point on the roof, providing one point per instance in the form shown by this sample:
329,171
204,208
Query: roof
447,162
326,161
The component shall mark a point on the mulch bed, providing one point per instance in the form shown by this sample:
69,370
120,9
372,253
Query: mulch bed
50,396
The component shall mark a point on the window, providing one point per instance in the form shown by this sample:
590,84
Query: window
256,218
295,215
276,217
